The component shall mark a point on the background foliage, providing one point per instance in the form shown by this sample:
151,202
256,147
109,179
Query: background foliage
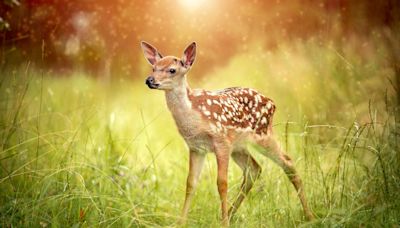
85,143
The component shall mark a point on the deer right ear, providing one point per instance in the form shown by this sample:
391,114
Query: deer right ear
150,52
189,55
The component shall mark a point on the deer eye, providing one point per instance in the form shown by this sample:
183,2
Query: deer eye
172,71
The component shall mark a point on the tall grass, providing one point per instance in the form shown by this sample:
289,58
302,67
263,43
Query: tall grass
80,152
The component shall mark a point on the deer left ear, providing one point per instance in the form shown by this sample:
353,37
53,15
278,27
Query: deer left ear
189,55
150,52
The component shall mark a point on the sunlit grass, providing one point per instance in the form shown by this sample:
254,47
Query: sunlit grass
81,152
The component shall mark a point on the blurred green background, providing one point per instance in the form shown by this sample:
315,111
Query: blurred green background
85,143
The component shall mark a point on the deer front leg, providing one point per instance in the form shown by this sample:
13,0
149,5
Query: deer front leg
196,162
222,182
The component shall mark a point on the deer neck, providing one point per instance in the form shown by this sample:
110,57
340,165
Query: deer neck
178,100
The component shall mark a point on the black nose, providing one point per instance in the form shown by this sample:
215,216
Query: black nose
151,83
150,80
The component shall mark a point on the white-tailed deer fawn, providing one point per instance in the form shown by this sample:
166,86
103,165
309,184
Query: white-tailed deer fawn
222,122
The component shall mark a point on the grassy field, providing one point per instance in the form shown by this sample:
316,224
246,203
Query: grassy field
81,152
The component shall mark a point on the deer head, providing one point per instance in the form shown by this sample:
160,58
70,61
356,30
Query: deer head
169,71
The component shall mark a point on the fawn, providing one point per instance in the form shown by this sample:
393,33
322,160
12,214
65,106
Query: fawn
223,122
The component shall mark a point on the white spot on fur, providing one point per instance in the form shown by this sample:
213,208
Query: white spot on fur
235,105
269,105
263,120
215,115
223,118
258,98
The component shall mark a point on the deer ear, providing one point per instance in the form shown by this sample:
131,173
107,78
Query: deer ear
189,55
150,52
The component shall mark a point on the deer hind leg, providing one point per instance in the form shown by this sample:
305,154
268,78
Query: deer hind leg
275,153
251,171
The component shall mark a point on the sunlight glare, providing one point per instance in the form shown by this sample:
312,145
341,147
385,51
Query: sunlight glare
192,3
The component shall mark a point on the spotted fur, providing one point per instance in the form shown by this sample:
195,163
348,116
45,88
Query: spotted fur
234,109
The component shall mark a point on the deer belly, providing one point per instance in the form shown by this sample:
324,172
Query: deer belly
201,143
